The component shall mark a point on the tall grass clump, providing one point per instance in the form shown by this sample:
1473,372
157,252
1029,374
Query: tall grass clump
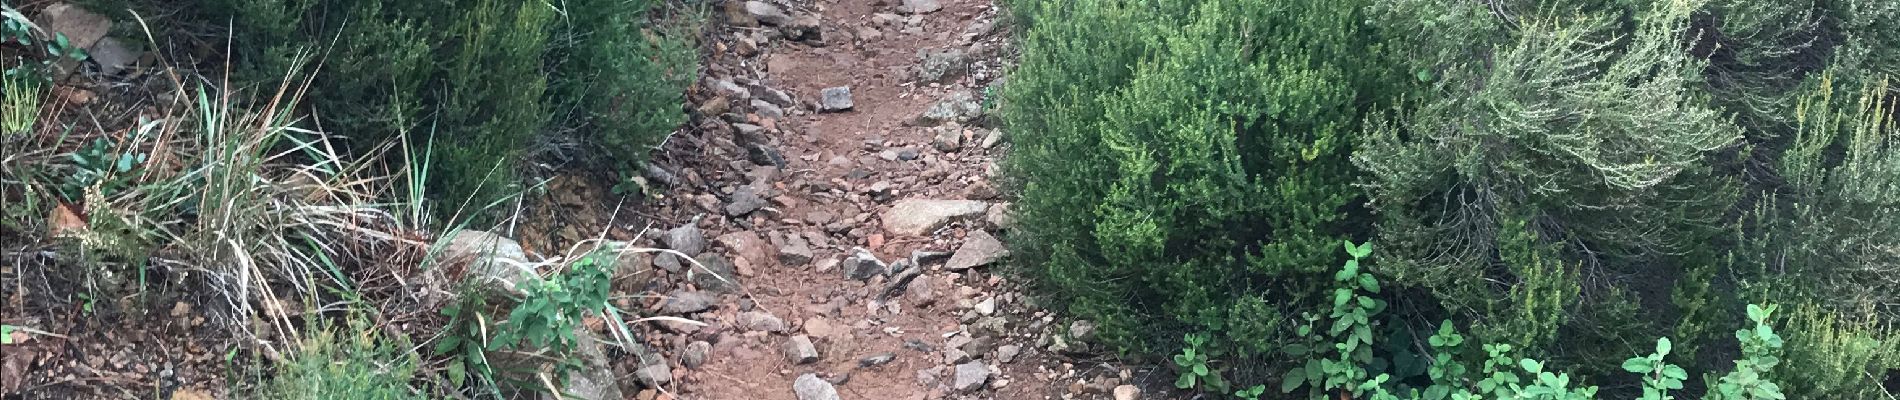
1183,165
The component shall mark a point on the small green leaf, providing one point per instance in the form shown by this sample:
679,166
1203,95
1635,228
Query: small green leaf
1662,346
1200,369
1186,381
1530,365
1638,365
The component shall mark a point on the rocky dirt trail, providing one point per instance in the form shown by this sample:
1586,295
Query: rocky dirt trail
855,216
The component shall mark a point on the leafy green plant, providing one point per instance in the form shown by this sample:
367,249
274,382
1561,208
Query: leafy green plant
1195,372
1342,369
352,361
1659,376
1761,352
543,318
98,166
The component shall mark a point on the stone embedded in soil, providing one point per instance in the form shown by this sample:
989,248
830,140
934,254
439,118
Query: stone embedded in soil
728,88
810,387
999,217
744,201
818,327
654,374
941,64
767,13
1082,330
920,292
862,265
928,377
687,302
496,264
979,249
834,99
992,139
81,27
804,28
685,239
970,376
695,354
746,245
766,109
760,321
960,106
986,307
713,274
764,155
919,6
669,262
917,217
799,350
981,190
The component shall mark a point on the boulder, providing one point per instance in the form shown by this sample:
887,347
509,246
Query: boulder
970,376
979,249
810,387
835,99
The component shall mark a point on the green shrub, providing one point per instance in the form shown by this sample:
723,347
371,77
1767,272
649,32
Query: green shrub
624,79
1196,160
354,362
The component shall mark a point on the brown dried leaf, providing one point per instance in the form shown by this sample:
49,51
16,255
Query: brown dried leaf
64,221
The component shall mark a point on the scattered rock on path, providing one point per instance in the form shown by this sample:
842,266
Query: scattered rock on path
495,263
685,239
835,99
1008,353
876,359
979,249
687,302
767,13
716,275
766,109
919,6
862,265
799,350
986,307
959,107
970,376
695,354
809,387
796,251
992,139
917,217
1082,330
746,245
941,64
760,321
744,201
948,139
738,15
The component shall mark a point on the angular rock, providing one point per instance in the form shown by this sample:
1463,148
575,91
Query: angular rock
767,13
992,139
947,139
695,354
981,190
917,217
764,155
796,251
685,239
653,371
928,377
82,28
877,359
744,201
767,110
835,99
1082,330
941,64
595,378
687,302
958,107
970,376
979,346
494,263
799,350
986,307
803,27
920,292
818,326
979,249
999,217
714,274
810,387
113,55
1008,353
737,15
760,321
669,262
919,6
862,265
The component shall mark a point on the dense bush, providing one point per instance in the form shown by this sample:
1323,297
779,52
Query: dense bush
1565,178
1194,164
481,80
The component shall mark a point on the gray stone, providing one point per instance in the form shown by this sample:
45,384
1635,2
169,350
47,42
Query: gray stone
917,217
695,354
796,251
767,13
970,376
747,245
760,321
685,239
764,155
595,379
804,27
919,7
494,263
737,15
885,18
113,55
744,201
775,96
877,359
1008,353
834,99
653,374
749,132
863,265
767,110
687,302
986,307
999,217
669,262
1082,330
959,107
920,292
979,249
799,350
928,377
729,88
992,139
82,28
713,274
941,64
979,346
948,139
990,326
810,387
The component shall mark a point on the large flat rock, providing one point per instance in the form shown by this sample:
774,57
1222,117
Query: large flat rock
917,217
